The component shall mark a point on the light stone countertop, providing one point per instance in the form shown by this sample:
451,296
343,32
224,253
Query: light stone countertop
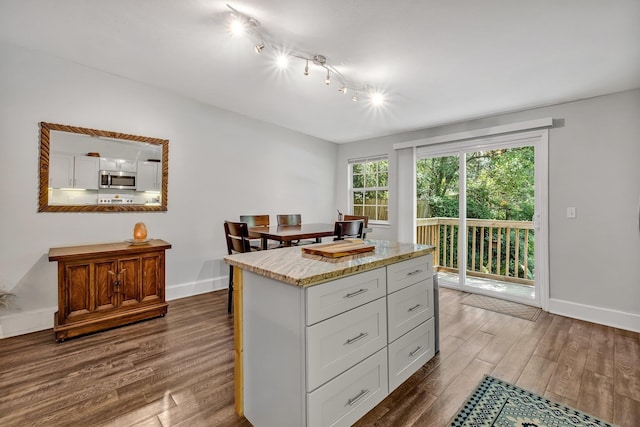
289,265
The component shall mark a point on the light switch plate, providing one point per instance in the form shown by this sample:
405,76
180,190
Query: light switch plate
571,212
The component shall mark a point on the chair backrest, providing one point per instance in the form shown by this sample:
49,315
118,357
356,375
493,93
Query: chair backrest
364,218
292,219
255,220
237,235
344,229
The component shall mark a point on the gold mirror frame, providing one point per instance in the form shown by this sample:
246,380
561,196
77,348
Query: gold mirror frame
45,147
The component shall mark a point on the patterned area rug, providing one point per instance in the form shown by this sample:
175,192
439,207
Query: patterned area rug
499,404
502,306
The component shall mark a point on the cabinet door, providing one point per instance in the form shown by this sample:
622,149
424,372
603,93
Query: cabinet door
130,277
147,176
127,165
61,171
86,172
152,283
77,285
104,277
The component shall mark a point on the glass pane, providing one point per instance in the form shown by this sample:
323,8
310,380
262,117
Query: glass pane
383,165
357,168
370,167
358,210
383,213
370,198
383,197
437,187
500,191
358,181
358,198
371,180
383,179
370,211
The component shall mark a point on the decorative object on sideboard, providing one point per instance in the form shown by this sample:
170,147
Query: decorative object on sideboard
140,231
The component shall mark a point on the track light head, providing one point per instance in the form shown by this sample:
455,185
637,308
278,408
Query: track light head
259,47
306,68
343,89
327,80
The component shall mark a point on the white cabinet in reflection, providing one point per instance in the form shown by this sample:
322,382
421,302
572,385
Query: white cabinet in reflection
149,176
68,171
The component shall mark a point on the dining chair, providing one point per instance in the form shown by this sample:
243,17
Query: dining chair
294,219
364,218
351,229
290,219
258,221
237,236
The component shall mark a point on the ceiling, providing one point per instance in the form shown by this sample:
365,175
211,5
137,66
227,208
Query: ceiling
436,61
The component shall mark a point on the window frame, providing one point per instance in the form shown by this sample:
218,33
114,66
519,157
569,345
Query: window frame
352,190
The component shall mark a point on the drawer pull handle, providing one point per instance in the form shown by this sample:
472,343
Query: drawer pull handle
358,292
358,338
360,395
415,351
413,273
415,307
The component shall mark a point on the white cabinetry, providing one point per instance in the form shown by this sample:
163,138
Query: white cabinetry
68,171
325,355
123,165
149,176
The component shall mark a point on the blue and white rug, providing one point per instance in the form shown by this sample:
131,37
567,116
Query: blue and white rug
500,404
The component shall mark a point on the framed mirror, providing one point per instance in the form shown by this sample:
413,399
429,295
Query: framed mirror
90,170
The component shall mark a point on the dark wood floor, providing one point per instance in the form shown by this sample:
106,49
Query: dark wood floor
178,370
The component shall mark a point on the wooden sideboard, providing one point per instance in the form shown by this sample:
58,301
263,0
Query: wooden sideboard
107,285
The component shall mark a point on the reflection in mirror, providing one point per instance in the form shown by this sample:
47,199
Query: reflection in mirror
89,170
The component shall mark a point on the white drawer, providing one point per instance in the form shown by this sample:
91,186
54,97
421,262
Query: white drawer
335,345
410,352
328,299
406,273
409,307
348,397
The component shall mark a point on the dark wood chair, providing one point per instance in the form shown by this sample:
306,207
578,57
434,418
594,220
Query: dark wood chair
351,229
258,221
290,219
237,235
294,219
364,218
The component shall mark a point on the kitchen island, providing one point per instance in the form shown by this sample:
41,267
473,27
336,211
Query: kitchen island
319,342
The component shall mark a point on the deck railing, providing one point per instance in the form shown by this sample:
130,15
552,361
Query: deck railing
499,250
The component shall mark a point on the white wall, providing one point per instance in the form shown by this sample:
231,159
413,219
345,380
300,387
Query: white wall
594,165
221,165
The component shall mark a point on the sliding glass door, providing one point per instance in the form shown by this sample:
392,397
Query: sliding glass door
478,203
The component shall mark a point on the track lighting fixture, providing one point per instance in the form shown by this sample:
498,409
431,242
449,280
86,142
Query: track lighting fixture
243,23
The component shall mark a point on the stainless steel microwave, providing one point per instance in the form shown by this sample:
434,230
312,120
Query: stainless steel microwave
120,180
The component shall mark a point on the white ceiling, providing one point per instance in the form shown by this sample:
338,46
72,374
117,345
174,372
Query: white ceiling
437,61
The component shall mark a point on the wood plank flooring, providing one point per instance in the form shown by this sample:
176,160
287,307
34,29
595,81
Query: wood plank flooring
178,370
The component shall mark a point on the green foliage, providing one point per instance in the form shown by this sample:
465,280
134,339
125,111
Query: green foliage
500,185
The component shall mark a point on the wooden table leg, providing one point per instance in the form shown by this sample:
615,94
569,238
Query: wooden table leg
237,340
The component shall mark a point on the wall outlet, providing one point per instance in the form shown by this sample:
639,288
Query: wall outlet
571,212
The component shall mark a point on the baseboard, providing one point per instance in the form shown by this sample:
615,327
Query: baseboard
183,290
25,322
603,316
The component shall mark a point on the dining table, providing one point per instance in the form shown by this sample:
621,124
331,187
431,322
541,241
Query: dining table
286,234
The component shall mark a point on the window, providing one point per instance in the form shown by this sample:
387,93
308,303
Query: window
370,188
